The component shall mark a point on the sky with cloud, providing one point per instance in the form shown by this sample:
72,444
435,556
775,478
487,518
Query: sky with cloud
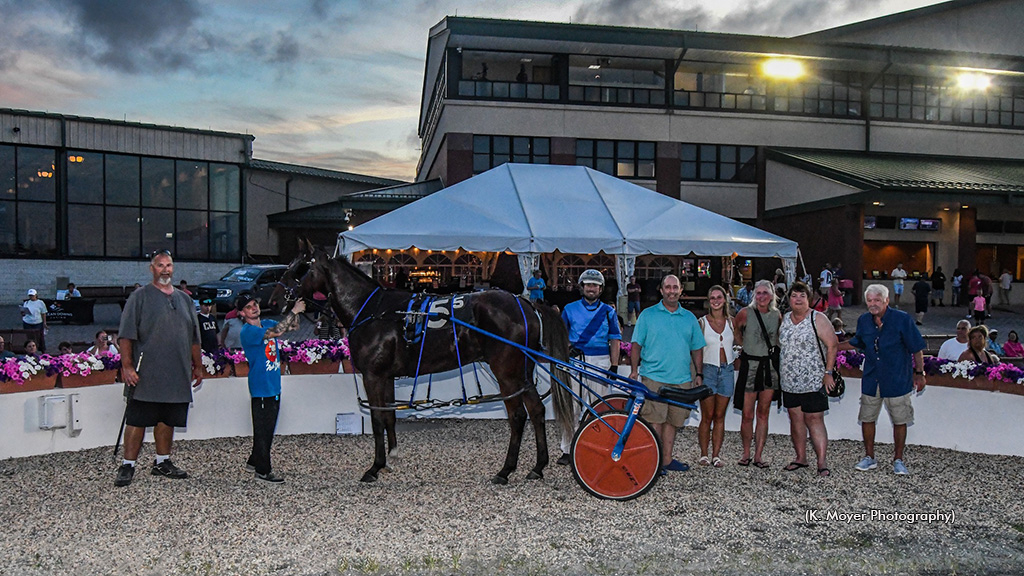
327,83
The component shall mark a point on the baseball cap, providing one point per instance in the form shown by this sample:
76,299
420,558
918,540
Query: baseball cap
206,301
31,291
243,300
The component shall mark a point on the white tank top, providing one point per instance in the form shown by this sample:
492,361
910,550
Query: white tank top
714,342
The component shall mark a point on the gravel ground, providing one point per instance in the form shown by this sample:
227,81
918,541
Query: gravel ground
436,513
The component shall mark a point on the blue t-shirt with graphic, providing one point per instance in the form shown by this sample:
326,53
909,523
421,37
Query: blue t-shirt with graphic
264,361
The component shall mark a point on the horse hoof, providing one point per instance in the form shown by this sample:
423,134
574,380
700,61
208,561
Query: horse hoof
499,480
368,477
534,475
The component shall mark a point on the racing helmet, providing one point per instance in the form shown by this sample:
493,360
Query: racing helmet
591,276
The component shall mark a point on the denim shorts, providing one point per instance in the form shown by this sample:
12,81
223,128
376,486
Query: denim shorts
719,379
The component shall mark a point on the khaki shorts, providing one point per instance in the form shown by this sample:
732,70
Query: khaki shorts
659,412
900,409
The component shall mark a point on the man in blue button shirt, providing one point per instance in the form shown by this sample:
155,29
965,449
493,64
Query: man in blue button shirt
893,368
667,343
262,350
594,331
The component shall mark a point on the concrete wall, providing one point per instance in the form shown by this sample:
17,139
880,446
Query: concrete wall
20,275
945,417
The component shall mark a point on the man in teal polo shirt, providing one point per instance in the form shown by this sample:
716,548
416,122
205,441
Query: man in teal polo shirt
666,341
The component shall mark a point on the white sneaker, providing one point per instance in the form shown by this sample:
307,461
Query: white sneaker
866,463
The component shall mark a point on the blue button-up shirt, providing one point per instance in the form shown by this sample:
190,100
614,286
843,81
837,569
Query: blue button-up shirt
888,352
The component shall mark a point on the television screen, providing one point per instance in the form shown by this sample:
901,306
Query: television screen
869,222
909,223
929,224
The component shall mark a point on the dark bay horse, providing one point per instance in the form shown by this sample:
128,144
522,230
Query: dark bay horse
382,350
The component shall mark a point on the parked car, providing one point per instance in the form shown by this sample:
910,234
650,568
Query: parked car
260,279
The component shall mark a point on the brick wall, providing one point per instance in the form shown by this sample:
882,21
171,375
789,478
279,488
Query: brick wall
20,275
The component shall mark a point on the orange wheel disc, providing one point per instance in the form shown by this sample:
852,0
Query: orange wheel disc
632,475
609,403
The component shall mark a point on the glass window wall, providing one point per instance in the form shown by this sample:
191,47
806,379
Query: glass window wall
617,80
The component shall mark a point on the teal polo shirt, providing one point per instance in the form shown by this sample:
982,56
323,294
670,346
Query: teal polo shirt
666,340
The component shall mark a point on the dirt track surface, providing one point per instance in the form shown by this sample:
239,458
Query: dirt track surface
437,513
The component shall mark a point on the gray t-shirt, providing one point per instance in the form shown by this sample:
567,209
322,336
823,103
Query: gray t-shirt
232,331
163,329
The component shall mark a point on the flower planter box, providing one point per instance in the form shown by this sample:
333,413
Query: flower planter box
346,366
95,378
851,372
241,369
978,383
225,373
321,367
35,383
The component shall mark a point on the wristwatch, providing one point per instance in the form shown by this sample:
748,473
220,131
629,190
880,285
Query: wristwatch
919,372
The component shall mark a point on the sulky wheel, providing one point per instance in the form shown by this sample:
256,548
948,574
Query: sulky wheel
634,473
611,402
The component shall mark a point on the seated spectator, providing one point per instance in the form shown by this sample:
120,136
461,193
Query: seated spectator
72,292
952,349
1013,348
839,328
102,344
4,352
976,351
31,349
993,346
64,348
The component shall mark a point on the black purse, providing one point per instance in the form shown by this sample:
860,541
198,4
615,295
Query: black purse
840,388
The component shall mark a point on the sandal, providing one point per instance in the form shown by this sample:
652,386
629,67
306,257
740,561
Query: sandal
794,465
717,462
824,472
703,461
744,462
761,465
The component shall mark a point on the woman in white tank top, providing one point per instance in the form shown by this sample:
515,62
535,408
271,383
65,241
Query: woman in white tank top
718,375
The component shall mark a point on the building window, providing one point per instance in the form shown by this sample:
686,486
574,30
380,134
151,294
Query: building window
621,158
828,93
721,86
606,80
718,163
492,151
127,206
509,75
940,100
28,211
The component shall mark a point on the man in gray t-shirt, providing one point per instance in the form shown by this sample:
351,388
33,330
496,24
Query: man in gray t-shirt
160,356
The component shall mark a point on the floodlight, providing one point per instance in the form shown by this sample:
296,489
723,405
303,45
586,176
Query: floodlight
782,68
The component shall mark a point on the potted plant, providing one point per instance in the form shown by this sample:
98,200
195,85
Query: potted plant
83,369
26,374
314,356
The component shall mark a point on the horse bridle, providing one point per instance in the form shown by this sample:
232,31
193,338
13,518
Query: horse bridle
291,296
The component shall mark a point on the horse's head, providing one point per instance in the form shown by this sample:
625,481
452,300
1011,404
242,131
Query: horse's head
305,276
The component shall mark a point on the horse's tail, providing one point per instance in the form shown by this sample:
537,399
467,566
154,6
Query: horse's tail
556,341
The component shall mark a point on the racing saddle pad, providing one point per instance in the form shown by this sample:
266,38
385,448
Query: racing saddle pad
691,396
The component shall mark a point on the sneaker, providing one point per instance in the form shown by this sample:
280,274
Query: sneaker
169,470
250,468
899,468
563,460
866,463
677,466
270,477
124,475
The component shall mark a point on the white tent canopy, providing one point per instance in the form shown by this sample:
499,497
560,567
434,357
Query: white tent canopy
533,209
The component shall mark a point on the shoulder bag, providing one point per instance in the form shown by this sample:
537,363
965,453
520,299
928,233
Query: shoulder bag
840,387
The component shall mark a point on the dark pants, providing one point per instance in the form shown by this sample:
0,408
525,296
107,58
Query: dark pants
264,421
